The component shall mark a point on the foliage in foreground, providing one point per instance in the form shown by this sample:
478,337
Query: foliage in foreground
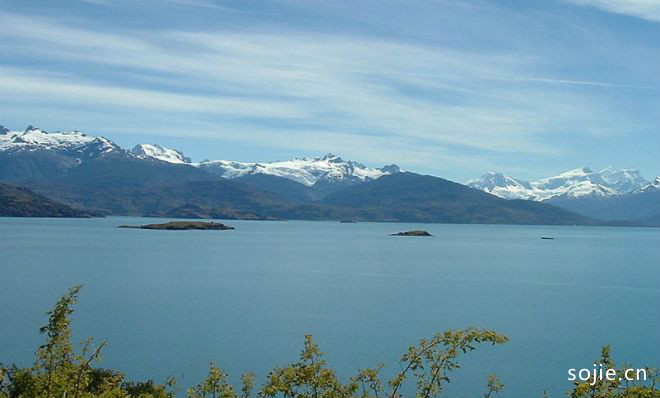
59,372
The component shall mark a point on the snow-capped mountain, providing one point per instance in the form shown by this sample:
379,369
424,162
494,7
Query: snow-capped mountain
155,151
623,180
328,169
72,143
573,184
581,182
501,185
307,171
651,186
72,148
36,155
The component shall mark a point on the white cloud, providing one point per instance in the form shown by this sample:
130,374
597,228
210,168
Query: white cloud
382,98
646,9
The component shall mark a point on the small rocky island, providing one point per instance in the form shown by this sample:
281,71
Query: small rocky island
182,225
417,232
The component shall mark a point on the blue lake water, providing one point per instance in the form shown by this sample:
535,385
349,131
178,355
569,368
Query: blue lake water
170,302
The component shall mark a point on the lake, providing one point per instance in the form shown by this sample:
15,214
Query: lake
170,302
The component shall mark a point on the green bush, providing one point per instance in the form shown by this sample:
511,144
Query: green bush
59,372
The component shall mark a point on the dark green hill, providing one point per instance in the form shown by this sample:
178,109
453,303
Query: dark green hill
630,206
215,199
418,198
293,191
21,202
652,221
24,166
126,186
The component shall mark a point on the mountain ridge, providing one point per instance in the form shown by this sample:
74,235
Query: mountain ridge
95,174
328,172
423,198
158,152
326,169
609,194
575,183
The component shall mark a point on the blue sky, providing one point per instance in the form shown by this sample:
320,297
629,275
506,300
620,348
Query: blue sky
446,87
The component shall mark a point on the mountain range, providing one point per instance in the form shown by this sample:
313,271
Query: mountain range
570,184
608,194
326,173
95,175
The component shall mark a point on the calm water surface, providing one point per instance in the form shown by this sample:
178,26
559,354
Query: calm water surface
168,303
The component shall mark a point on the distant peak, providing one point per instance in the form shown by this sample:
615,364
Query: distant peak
391,168
326,170
329,156
32,128
489,176
3,129
577,171
143,146
158,152
610,169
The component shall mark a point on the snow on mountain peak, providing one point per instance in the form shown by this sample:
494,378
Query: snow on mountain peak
651,186
565,180
623,180
391,169
580,171
570,184
584,188
33,138
329,156
155,151
307,171
503,186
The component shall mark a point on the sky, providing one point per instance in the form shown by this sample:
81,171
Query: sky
452,88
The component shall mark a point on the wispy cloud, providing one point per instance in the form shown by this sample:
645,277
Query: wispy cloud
646,9
370,98
198,3
210,4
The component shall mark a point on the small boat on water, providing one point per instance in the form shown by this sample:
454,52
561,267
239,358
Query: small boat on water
547,237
